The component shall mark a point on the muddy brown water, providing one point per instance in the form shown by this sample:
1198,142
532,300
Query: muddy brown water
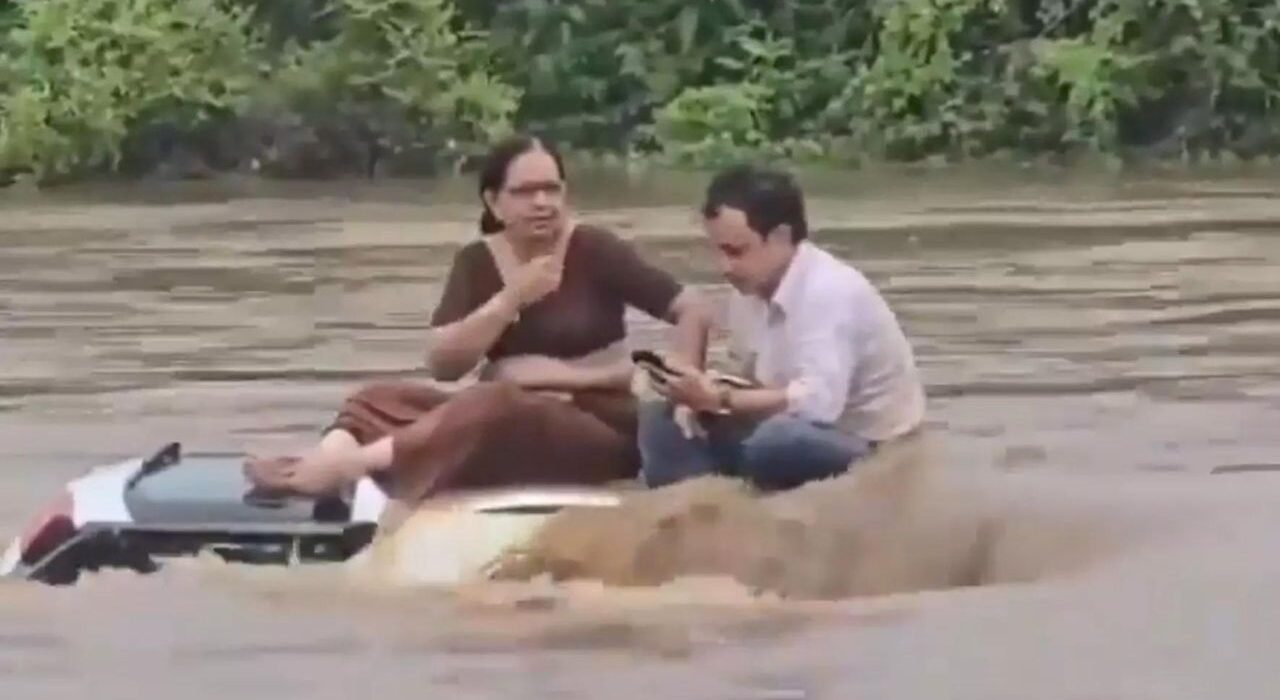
1091,327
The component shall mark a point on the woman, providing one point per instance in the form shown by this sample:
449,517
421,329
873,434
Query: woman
541,299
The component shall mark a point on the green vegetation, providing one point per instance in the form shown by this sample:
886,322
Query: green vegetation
330,87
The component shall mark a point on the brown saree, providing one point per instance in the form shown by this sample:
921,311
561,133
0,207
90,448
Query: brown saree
495,433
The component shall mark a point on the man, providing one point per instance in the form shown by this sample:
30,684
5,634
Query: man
832,372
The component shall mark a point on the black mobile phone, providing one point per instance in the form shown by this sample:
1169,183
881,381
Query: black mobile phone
653,362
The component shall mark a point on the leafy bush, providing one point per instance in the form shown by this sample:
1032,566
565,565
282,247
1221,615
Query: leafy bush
79,75
89,83
402,68
331,86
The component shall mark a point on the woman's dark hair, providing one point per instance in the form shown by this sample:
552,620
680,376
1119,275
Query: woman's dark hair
493,174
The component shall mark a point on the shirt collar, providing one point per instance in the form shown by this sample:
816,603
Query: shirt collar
787,295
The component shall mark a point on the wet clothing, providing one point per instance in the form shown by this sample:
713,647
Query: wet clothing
829,337
780,452
495,433
602,275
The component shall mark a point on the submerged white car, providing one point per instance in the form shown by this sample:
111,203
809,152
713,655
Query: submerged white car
138,513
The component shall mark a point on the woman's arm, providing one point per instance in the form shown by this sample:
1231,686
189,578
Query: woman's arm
691,317
643,285
548,373
607,368
611,367
457,347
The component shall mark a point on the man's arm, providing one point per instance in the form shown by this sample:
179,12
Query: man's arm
825,357
754,403
825,354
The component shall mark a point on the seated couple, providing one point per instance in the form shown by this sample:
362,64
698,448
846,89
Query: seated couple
538,305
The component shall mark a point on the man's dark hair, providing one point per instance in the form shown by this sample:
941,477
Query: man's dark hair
768,197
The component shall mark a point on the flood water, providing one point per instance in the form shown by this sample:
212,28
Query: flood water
1095,327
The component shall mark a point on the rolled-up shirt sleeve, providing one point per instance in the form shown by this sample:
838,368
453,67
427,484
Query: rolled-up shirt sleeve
824,359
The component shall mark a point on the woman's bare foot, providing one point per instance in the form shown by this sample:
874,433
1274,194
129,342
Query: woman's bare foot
337,462
321,473
270,474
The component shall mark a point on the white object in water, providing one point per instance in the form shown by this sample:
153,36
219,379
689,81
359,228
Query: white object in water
448,542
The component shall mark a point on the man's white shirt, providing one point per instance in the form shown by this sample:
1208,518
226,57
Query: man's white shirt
832,341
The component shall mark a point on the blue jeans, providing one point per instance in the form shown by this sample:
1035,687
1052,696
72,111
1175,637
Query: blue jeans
780,452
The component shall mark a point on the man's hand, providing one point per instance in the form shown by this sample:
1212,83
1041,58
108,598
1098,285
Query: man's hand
689,387
700,392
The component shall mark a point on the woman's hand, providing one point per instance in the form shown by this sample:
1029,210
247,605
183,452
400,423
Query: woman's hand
535,279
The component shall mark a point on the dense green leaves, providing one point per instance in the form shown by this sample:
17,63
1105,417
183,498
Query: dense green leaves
79,74
85,81
850,79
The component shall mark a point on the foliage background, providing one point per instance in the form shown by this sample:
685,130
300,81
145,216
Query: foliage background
333,87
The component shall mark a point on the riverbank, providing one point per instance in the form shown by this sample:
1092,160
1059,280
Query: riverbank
880,199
